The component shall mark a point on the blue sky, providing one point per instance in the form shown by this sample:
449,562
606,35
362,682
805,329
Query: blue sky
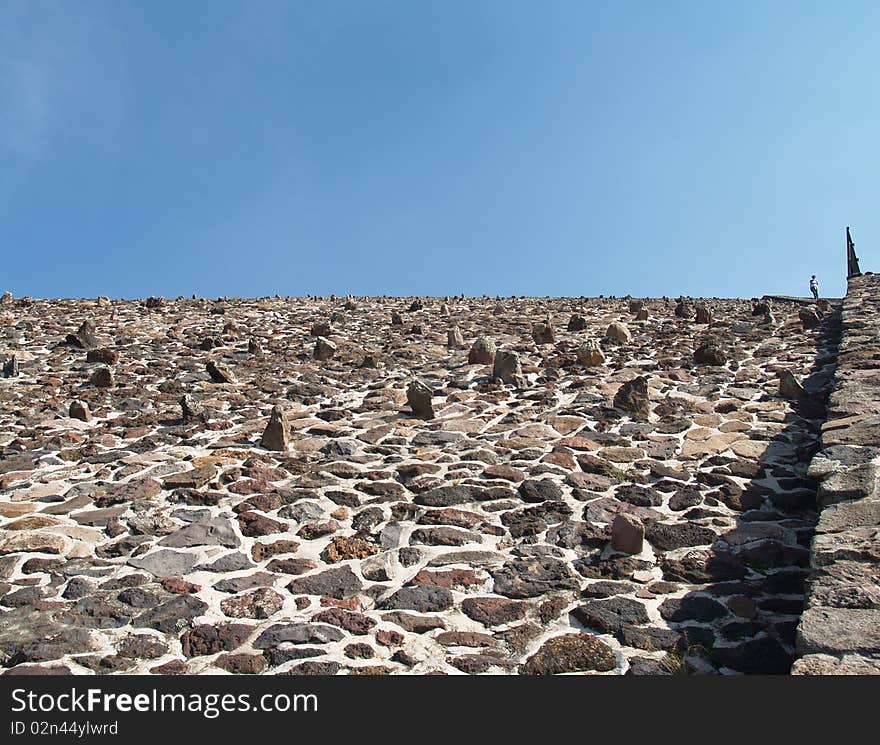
403,147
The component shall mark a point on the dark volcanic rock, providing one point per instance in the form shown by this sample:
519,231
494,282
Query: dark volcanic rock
421,598
632,397
493,611
539,490
691,608
612,615
669,536
570,653
85,337
172,615
338,583
447,496
527,578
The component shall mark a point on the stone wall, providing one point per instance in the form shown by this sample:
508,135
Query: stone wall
839,632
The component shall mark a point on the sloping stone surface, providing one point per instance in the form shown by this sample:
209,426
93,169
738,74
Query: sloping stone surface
165,533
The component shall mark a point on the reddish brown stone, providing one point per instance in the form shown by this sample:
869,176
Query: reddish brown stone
242,664
447,579
261,551
254,524
389,638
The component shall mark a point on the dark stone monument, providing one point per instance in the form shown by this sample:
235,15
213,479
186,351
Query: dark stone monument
852,261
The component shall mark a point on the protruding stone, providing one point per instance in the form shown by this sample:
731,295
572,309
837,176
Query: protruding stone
710,353
85,337
627,534
10,367
619,332
276,436
104,356
482,352
789,387
577,322
507,367
191,410
590,354
103,378
324,349
632,397
454,339
79,410
542,333
418,396
809,319
219,373
703,315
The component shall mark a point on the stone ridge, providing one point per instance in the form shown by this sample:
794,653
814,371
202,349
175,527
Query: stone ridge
839,632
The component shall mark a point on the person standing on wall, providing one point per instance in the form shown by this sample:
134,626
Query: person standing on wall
814,287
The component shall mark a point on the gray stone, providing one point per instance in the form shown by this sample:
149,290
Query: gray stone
420,598
590,354
165,563
542,333
324,349
215,532
632,397
825,664
855,483
85,337
507,367
191,410
691,608
297,633
339,583
220,373
173,615
448,496
789,387
539,490
528,578
454,339
612,615
418,396
839,631
233,562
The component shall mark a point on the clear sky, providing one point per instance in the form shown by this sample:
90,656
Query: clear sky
413,147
